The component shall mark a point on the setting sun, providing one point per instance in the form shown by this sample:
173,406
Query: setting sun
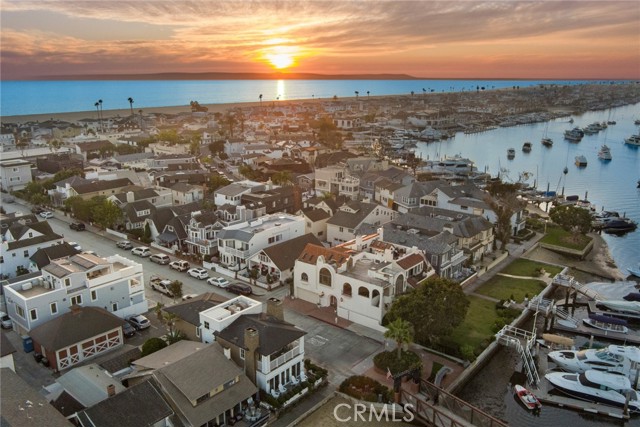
280,60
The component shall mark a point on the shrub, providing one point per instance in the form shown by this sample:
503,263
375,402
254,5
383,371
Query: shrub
152,345
389,360
365,388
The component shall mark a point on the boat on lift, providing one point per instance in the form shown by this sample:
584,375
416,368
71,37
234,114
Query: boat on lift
606,323
616,359
622,306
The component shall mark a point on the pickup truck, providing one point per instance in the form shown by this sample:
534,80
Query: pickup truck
161,285
179,265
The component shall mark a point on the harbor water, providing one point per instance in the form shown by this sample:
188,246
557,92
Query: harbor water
609,185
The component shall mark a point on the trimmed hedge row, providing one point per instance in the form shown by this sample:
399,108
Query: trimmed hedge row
365,388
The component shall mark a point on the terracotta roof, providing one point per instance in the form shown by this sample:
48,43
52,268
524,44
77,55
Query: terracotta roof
311,253
410,261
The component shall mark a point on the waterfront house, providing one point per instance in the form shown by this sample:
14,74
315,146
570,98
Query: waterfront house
14,174
350,216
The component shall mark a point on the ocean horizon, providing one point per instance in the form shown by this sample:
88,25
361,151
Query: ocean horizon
27,97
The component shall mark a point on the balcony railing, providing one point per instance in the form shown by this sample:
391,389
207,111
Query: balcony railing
285,357
203,242
234,252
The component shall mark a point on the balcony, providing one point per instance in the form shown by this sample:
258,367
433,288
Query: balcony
283,358
234,252
205,243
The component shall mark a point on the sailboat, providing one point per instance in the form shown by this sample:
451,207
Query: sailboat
546,141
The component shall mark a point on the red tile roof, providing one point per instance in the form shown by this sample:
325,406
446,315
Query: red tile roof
311,253
412,260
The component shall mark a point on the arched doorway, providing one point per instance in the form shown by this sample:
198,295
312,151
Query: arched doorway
333,301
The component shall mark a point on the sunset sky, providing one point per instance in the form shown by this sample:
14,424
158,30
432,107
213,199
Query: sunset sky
450,39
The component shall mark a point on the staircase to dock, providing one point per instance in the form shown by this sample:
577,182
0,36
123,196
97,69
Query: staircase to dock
570,282
564,314
523,341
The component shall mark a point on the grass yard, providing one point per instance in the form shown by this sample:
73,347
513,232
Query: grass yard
559,237
526,267
478,325
501,287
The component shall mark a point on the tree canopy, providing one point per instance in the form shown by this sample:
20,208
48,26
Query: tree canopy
434,309
571,218
504,203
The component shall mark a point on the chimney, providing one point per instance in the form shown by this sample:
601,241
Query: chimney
130,197
251,344
275,309
358,242
111,390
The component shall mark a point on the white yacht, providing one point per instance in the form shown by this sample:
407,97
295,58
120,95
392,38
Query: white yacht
604,153
633,140
616,359
596,386
511,153
581,161
632,307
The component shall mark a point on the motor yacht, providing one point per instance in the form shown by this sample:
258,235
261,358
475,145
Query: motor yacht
596,386
574,135
604,153
622,306
526,147
617,359
511,153
547,142
606,323
633,140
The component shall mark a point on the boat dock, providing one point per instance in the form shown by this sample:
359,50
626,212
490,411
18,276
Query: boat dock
627,339
627,316
543,394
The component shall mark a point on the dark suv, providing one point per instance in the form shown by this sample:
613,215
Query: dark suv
240,289
78,226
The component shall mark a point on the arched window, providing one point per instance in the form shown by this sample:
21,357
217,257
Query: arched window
304,277
325,277
375,298
399,285
363,292
346,289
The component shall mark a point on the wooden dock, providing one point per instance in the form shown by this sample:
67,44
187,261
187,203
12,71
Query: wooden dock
627,339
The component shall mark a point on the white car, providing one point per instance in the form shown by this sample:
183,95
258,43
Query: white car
198,273
218,281
46,214
142,251
75,246
139,322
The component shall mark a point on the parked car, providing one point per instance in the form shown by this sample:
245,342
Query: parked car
179,265
128,330
8,199
160,259
46,214
139,322
78,226
6,320
124,244
188,296
198,273
161,285
142,251
75,246
218,281
240,289
37,209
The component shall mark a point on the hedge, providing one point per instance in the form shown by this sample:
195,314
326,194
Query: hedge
365,388
389,360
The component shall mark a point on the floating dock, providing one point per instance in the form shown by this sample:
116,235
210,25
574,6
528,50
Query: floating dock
629,339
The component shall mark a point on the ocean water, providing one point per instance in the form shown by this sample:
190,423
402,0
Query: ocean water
42,97
609,185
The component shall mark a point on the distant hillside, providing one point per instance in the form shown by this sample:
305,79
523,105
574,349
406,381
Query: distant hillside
233,76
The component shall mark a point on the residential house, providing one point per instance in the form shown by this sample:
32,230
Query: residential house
56,162
286,199
93,149
22,236
162,161
88,385
336,180
98,188
325,159
139,405
410,197
202,231
159,219
183,193
136,213
43,257
359,282
274,264
174,235
441,249
270,349
216,318
158,196
169,178
231,194
342,225
62,189
76,336
188,313
14,174
474,232
206,388
238,242
23,405
115,283
315,222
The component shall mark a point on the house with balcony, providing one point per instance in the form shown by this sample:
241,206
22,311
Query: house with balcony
232,194
222,315
275,264
358,281
158,196
114,283
202,231
270,349
353,214
184,193
22,237
315,222
336,180
469,199
187,313
286,199
14,174
136,213
238,242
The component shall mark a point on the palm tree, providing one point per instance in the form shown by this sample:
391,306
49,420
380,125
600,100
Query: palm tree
412,93
101,114
367,94
401,332
260,98
357,93
130,99
97,105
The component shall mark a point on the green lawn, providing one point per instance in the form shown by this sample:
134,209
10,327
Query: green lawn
559,237
477,326
526,267
501,287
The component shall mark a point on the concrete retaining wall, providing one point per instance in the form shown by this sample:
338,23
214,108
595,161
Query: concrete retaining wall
568,251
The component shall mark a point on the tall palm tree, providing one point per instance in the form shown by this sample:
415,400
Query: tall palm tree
401,332
357,93
260,98
367,94
101,114
130,99
97,105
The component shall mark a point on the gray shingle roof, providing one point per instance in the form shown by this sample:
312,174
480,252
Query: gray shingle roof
189,311
42,257
352,220
42,227
284,254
